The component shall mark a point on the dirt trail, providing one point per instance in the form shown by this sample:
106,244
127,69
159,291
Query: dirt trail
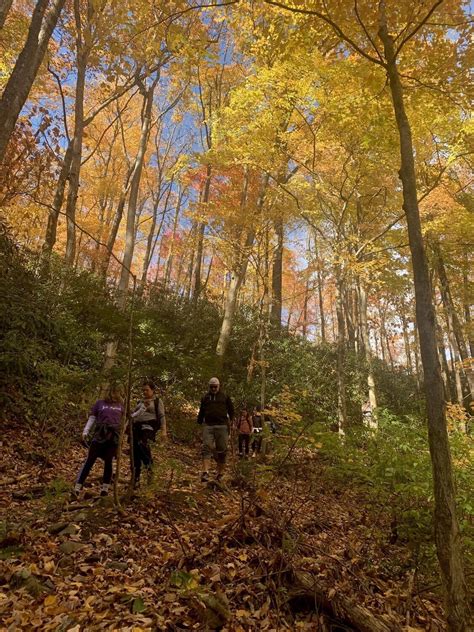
187,556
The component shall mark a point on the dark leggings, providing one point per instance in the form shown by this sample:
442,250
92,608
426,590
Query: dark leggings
244,442
257,444
105,450
141,453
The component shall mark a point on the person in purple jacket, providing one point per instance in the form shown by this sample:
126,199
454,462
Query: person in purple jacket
104,426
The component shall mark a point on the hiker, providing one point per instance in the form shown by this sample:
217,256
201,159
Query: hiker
257,425
244,428
103,425
215,413
147,419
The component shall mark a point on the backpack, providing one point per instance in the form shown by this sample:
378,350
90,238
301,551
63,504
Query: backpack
244,425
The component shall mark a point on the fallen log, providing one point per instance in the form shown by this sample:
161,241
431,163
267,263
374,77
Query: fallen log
339,606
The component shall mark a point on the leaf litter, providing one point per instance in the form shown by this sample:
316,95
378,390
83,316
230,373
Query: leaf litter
189,557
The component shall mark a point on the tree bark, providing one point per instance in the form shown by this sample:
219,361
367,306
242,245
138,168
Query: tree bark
467,304
277,275
82,54
5,6
26,68
52,226
450,395
366,353
134,189
238,274
447,535
454,327
406,340
153,238
169,262
341,356
200,237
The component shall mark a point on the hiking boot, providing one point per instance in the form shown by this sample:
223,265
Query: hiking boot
76,491
204,477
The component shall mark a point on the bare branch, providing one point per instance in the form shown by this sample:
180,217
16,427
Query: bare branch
333,25
418,26
63,102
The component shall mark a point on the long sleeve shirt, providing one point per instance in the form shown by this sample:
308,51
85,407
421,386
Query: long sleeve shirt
149,411
216,409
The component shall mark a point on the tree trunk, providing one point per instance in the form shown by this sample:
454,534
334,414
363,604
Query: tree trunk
82,55
366,354
454,326
447,535
406,340
450,396
5,6
341,357
26,68
134,189
52,227
169,262
200,237
153,238
467,304
238,274
350,317
277,275
116,223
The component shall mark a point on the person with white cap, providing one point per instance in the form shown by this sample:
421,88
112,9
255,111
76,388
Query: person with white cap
215,414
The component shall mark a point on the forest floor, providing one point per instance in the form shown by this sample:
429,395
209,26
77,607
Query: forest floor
269,549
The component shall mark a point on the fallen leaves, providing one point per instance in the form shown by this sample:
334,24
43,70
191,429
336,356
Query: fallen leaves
188,558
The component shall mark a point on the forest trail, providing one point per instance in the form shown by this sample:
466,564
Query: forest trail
186,556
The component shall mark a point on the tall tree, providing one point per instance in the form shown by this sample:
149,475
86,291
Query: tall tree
448,541
43,21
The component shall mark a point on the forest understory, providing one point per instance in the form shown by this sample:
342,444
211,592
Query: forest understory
278,546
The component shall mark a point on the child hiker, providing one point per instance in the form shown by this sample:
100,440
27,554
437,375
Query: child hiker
104,426
244,427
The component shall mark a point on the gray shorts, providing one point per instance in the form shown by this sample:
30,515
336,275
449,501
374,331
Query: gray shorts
215,440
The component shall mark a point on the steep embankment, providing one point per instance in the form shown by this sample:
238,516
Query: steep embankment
262,552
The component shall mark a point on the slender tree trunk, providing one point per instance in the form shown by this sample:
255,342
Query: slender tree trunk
341,356
447,535
238,274
454,325
169,262
43,22
321,306
134,189
153,238
320,281
349,316
406,341
264,323
116,223
5,6
200,237
366,353
74,175
277,275
52,227
467,305
450,396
